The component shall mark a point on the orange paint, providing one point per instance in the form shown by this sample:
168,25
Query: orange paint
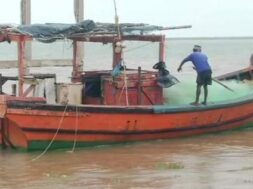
26,125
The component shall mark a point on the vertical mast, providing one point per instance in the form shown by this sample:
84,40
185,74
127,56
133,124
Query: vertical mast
26,20
21,65
162,49
78,47
116,19
117,45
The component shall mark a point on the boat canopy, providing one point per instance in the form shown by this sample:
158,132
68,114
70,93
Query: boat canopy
49,32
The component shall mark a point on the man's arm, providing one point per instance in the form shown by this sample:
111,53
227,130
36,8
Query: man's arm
182,63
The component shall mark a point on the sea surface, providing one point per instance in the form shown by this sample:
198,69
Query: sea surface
214,161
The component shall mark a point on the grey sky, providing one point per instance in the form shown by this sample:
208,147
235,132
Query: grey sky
209,18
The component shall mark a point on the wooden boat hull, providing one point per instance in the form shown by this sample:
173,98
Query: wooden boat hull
35,125
240,75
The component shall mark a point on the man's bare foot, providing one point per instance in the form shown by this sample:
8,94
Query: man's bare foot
204,103
195,103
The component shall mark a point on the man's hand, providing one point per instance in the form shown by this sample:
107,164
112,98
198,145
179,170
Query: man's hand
179,69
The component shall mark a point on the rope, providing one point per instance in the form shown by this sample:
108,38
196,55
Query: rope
125,84
76,128
121,92
141,46
119,36
56,133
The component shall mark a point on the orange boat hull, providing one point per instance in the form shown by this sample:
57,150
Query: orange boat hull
32,126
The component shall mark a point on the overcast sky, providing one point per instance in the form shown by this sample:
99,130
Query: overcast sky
209,18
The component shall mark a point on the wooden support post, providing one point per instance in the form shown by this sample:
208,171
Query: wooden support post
21,65
139,87
25,11
14,89
78,10
76,63
79,16
26,20
1,84
117,53
162,49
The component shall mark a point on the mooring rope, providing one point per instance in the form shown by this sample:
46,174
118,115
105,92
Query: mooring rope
76,129
52,140
125,83
121,92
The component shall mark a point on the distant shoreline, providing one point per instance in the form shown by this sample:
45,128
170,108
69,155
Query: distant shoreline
208,38
7,64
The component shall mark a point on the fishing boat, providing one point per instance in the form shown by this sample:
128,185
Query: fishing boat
105,106
245,74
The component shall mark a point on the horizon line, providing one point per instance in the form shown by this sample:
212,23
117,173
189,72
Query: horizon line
217,37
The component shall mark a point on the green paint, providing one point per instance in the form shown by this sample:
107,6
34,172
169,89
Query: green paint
42,145
184,92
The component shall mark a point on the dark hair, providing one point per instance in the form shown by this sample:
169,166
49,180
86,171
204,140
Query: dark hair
196,48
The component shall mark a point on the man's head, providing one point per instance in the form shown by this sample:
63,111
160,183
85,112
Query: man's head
196,48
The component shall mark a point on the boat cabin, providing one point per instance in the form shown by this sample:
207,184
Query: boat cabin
134,87
126,87
129,86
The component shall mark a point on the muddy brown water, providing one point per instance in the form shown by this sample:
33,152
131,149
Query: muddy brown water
223,160
215,161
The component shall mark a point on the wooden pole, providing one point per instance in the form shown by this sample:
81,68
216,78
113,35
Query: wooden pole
79,16
76,62
117,52
14,89
26,20
78,10
21,65
139,87
162,49
222,84
1,84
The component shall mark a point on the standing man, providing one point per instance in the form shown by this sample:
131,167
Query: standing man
204,71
